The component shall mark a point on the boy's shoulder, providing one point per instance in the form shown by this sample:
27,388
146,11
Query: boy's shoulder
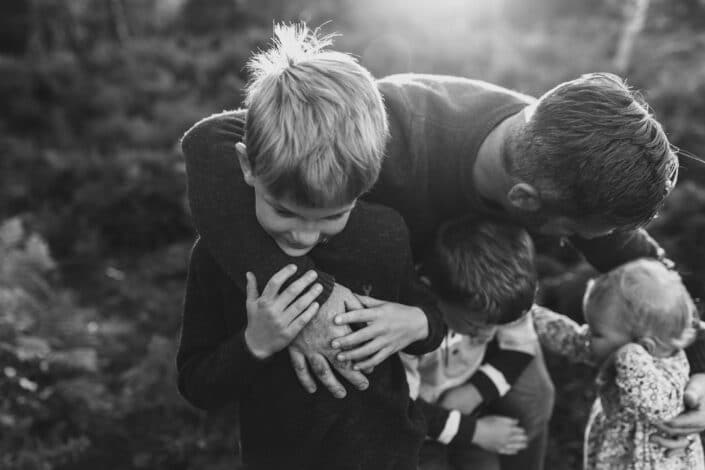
376,223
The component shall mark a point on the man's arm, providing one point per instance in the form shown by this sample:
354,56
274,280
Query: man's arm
610,251
223,206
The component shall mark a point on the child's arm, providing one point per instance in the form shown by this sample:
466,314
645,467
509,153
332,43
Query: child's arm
414,325
517,344
214,365
561,335
644,388
225,219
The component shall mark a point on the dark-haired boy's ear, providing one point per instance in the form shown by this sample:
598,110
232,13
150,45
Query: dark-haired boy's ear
525,197
245,166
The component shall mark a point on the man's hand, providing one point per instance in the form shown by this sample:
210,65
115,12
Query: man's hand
464,398
682,429
390,327
312,347
499,434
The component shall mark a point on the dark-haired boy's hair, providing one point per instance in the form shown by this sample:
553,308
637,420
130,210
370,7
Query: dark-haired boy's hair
593,151
487,264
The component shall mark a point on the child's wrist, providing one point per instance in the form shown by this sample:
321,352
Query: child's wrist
256,352
421,329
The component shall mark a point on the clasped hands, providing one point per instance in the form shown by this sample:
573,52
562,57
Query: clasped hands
320,337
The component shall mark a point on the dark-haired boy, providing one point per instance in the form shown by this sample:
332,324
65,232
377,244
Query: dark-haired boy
485,392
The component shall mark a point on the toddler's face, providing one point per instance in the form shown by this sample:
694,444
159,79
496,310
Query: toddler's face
297,229
608,332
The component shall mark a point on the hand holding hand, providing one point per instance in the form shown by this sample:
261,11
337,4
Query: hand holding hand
390,328
273,318
312,347
499,434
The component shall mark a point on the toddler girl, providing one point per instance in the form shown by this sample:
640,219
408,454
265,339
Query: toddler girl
639,319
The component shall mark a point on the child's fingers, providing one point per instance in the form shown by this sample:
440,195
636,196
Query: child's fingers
375,360
295,289
302,320
277,281
356,316
356,337
303,302
252,292
298,361
366,350
369,301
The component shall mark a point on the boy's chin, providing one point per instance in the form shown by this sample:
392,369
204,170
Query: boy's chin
293,251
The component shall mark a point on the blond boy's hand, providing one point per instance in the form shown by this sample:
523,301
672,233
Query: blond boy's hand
390,327
499,434
274,318
312,347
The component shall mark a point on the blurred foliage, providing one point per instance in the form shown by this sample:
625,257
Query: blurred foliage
95,230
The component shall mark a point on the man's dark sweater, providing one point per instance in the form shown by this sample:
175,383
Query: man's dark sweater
283,426
437,124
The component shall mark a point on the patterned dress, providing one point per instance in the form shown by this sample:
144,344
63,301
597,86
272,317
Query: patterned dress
635,389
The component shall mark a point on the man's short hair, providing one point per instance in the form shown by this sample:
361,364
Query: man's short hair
593,151
316,125
487,264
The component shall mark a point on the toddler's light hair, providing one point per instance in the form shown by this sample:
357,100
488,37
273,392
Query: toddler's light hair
316,125
651,300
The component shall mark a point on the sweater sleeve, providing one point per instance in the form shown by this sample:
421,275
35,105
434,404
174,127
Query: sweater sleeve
561,335
213,365
610,251
447,426
517,343
223,205
414,292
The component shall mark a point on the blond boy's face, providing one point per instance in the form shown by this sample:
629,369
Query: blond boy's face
297,229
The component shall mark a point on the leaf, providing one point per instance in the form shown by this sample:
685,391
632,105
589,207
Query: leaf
32,348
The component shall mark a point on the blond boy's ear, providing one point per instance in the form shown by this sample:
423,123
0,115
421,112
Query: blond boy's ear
245,165
525,197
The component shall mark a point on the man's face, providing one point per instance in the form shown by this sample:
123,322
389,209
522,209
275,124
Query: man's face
297,229
540,222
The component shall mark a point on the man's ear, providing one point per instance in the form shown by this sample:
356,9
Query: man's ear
245,165
525,197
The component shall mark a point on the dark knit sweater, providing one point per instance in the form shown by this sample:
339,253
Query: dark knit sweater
282,426
437,126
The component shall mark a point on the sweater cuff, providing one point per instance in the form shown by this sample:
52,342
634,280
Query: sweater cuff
490,383
450,430
696,356
466,430
436,332
327,282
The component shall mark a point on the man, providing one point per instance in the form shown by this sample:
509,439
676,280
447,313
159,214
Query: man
585,161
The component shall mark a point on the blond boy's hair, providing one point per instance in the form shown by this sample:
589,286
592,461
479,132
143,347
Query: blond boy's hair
651,300
316,124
